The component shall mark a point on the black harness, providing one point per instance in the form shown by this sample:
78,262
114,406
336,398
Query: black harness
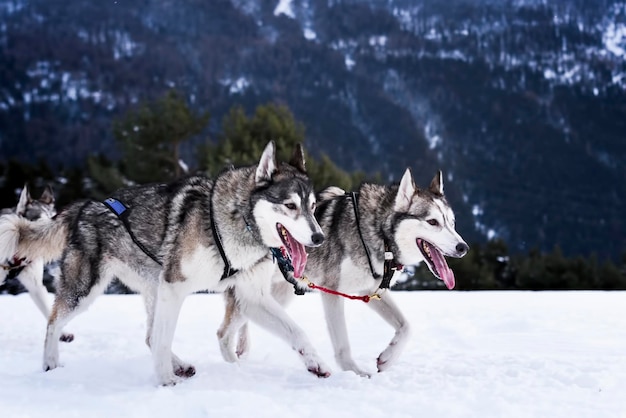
122,211
228,270
284,263
390,264
119,209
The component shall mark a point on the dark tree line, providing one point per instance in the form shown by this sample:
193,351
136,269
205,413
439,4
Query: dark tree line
491,266
150,138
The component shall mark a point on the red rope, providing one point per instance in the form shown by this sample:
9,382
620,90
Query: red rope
365,298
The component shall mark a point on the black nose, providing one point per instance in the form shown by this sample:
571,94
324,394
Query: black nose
462,249
317,238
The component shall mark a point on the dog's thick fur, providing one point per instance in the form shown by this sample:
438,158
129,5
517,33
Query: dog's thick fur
31,272
254,208
418,224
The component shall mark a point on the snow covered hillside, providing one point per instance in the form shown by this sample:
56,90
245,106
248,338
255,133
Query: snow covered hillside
522,103
513,354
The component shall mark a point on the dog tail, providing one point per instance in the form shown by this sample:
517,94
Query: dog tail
331,192
42,239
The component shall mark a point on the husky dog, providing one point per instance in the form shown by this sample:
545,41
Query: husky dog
368,235
169,240
30,273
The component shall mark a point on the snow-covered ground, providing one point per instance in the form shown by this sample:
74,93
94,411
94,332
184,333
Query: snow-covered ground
488,354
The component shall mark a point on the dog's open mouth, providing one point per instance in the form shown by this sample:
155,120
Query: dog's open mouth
436,262
296,251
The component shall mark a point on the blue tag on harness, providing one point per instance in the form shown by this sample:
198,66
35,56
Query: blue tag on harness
115,205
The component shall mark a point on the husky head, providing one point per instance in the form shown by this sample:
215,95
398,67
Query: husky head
283,204
425,229
36,209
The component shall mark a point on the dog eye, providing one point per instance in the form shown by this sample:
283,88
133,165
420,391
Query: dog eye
433,222
313,206
291,206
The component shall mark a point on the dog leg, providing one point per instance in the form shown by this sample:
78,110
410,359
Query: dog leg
75,292
181,368
268,313
234,321
167,308
32,279
243,342
336,323
61,314
389,311
234,318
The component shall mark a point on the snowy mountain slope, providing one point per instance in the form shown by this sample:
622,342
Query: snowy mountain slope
521,103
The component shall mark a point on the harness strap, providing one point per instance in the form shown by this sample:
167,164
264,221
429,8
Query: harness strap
228,270
390,265
358,228
119,209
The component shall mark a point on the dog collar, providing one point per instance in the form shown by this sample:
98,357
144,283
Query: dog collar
389,267
284,265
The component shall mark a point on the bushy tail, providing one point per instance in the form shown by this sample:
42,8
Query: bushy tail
42,239
330,193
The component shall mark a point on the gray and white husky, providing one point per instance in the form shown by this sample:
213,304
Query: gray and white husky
368,235
30,272
169,240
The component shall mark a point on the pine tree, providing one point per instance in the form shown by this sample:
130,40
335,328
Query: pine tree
243,139
150,138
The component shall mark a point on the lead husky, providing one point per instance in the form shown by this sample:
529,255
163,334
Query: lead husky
167,241
30,273
368,235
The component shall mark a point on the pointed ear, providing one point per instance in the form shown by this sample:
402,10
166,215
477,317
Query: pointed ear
297,159
23,202
47,197
436,185
406,190
267,163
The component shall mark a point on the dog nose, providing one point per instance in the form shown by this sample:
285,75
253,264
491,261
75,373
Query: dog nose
462,249
317,238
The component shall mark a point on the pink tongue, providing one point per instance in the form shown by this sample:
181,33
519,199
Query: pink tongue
442,267
298,256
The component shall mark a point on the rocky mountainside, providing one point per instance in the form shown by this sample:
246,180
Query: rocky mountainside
522,103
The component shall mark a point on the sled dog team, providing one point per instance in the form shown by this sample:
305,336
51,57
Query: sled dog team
254,233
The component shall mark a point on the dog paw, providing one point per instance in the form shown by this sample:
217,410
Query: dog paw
241,354
362,373
380,365
387,357
314,364
66,337
172,380
50,365
243,348
228,355
319,371
185,371
383,363
347,364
